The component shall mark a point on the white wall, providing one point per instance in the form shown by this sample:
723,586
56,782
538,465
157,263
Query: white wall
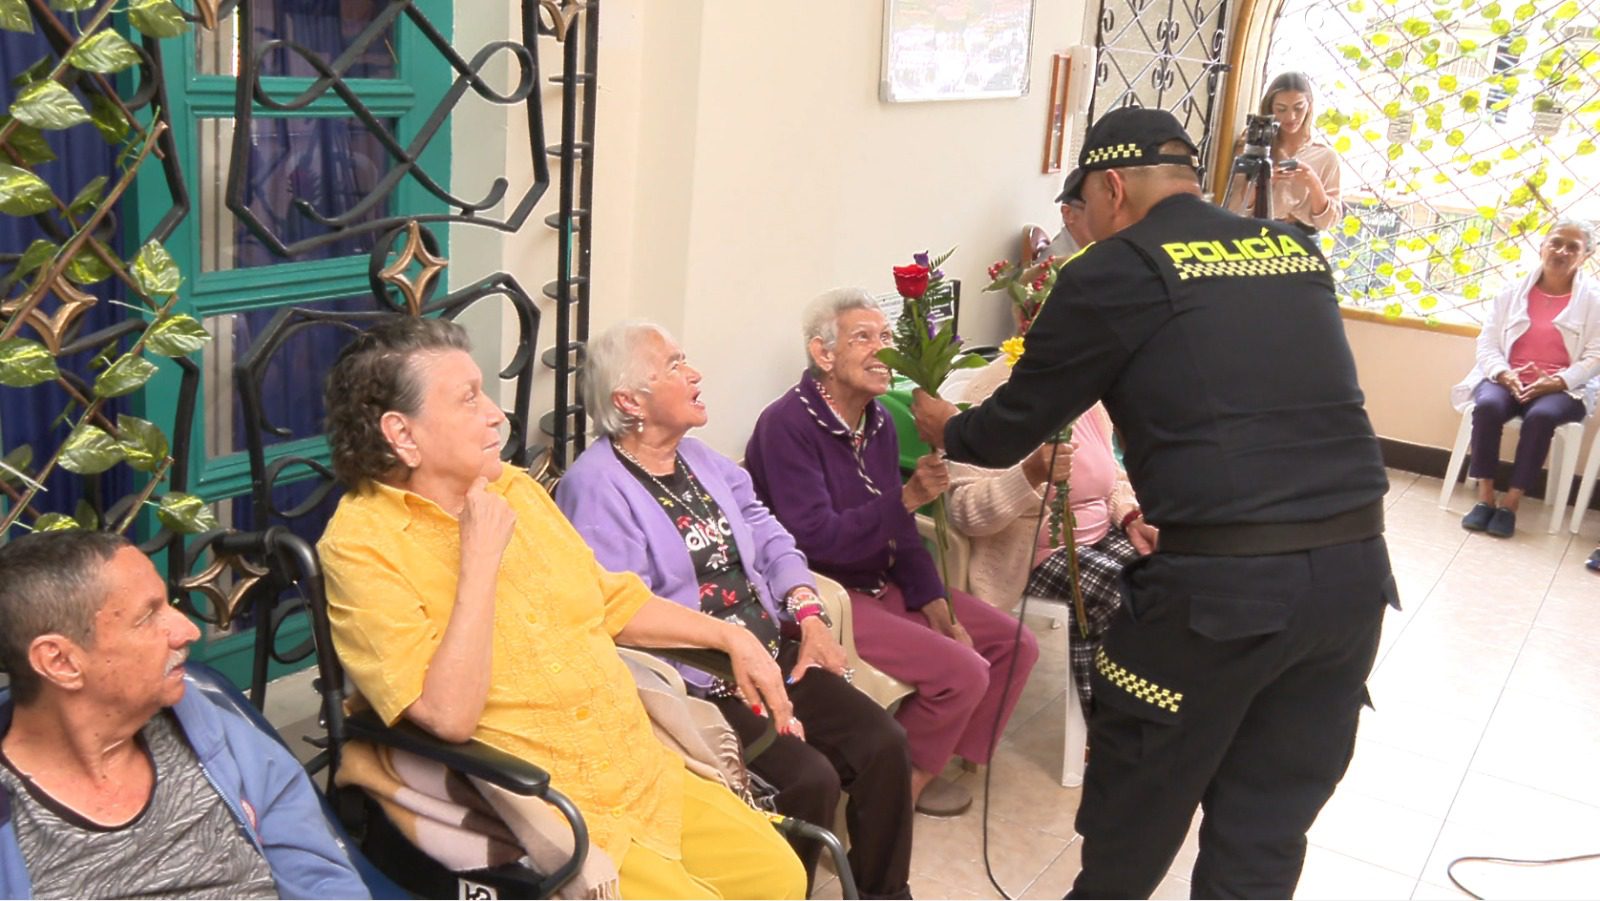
746,164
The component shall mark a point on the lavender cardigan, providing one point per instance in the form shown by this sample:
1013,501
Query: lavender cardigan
629,531
842,505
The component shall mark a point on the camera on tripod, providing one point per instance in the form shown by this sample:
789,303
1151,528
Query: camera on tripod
1254,164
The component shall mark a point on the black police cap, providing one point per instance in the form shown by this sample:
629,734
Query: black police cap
1128,137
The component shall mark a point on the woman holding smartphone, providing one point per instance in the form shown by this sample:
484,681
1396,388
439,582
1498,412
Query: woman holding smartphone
1305,171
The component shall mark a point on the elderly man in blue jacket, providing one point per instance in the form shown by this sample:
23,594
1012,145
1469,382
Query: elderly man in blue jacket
117,781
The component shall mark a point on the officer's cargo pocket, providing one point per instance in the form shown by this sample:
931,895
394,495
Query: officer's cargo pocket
1231,617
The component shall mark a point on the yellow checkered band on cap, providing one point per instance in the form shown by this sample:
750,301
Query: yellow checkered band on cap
1250,268
1135,685
1114,152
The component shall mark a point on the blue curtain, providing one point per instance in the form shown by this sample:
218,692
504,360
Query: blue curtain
28,415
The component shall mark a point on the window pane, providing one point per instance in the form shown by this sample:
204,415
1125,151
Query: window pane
326,27
329,162
291,383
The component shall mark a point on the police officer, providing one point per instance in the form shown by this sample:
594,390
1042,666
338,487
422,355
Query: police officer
1234,676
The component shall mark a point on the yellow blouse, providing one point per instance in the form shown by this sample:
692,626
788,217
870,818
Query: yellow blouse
559,696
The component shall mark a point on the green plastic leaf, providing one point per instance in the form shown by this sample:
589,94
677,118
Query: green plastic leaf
22,193
88,450
108,120
176,336
155,272
1585,147
1482,167
25,363
1396,150
1455,138
37,254
85,515
14,16
105,52
1525,12
186,513
86,267
125,376
48,105
157,18
17,460
56,522
88,198
143,444
28,142
1448,82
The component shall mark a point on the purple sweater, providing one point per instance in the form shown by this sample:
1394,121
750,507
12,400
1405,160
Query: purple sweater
629,531
841,505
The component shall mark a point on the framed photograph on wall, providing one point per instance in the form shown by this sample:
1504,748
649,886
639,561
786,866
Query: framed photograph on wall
955,49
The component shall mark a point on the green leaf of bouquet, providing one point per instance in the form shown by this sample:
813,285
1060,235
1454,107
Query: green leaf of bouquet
14,16
142,442
157,18
23,193
186,513
25,363
28,142
899,362
48,105
127,375
155,272
89,450
56,522
105,52
176,336
108,120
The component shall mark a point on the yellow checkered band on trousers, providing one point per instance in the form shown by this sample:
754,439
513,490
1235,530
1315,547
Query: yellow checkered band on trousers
1136,685
1114,152
1250,268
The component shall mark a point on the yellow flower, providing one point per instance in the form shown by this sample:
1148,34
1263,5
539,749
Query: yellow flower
1012,348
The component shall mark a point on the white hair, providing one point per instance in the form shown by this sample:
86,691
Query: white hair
821,318
611,363
1584,227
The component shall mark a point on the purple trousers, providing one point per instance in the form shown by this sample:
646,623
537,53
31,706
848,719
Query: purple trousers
1494,406
958,688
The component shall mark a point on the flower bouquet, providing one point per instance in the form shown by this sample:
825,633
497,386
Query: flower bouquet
926,354
1026,286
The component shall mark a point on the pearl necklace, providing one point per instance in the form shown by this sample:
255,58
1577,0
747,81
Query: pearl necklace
701,516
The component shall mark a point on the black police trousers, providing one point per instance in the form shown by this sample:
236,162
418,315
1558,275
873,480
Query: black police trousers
1233,684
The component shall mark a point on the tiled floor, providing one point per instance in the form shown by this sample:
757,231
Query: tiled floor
1485,740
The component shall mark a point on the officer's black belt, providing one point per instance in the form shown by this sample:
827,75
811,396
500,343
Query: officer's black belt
1262,539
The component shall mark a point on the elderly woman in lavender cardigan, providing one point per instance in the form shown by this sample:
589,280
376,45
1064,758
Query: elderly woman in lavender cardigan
825,458
650,500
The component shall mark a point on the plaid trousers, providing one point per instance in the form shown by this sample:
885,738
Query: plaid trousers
1099,567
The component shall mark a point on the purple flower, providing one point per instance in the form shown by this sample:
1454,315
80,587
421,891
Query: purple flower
921,259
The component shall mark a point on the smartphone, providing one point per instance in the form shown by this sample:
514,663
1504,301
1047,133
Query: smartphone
1289,164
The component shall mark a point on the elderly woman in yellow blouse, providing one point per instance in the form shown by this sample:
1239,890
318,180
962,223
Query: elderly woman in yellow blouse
462,601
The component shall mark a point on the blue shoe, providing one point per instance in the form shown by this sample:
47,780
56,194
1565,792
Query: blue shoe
1503,523
1594,560
1477,519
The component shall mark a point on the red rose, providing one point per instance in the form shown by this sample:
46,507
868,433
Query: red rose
911,281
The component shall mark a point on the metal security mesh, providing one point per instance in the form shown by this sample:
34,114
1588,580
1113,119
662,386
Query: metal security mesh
1465,129
1162,54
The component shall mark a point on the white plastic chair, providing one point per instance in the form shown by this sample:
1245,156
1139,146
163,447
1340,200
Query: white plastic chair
1564,448
1591,470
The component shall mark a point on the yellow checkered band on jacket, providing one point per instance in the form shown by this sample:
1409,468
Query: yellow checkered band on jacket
1135,685
1266,254
1114,152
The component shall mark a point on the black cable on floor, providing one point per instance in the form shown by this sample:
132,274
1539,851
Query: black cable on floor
1011,674
1450,870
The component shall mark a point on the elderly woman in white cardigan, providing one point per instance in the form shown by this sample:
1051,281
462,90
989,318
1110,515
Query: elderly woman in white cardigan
1538,358
998,509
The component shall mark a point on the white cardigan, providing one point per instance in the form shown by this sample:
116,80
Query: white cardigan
1579,325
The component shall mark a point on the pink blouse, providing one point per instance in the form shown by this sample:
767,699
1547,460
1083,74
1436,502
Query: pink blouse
1541,350
1094,478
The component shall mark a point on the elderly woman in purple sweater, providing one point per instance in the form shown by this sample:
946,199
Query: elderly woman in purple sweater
825,458
650,500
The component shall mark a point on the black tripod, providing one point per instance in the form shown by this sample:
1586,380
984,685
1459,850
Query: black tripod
1253,165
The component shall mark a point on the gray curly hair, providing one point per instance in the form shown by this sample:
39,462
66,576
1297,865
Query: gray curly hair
1584,227
821,318
611,363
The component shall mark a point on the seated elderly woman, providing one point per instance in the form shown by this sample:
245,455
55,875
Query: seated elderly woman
652,501
825,459
999,510
462,601
1538,358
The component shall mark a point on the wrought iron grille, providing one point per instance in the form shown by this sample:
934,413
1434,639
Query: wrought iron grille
1163,54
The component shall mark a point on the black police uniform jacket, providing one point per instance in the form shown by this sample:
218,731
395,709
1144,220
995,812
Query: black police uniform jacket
1216,343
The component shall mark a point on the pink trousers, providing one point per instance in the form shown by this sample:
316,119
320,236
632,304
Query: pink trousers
958,688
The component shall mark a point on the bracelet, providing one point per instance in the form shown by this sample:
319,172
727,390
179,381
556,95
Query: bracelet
1129,517
801,598
807,611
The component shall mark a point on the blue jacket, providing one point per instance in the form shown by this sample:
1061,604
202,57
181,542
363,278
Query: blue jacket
262,784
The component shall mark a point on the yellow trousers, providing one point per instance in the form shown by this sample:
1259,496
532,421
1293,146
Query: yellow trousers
728,851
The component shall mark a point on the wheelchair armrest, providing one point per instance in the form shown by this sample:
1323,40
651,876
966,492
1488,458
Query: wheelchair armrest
470,758
703,659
